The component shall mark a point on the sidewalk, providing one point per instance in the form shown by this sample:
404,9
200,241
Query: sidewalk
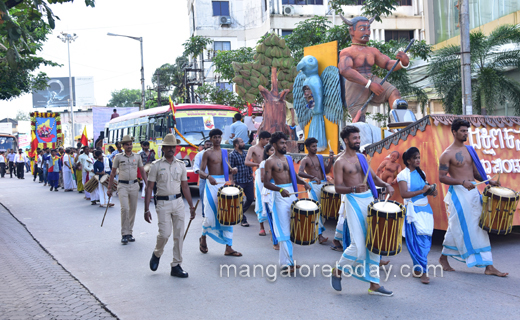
34,284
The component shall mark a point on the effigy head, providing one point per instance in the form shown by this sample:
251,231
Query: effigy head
352,23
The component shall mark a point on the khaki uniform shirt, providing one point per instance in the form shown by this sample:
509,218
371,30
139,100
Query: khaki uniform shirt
168,176
127,166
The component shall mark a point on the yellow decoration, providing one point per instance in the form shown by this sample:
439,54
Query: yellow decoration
327,55
180,135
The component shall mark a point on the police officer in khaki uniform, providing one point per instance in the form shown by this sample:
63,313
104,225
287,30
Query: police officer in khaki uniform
170,176
127,187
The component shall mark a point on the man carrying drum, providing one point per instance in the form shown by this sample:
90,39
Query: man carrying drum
127,187
170,176
313,167
464,240
350,170
216,160
280,169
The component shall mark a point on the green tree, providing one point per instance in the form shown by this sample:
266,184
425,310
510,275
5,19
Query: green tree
212,94
195,46
24,26
489,63
223,60
177,79
125,98
22,116
307,33
370,7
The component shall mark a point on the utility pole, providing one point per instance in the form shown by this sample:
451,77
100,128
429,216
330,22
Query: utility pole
467,102
66,37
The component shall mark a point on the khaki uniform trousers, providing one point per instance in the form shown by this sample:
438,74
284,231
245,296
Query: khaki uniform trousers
128,195
170,216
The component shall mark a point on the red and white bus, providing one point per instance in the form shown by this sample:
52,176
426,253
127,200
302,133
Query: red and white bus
193,121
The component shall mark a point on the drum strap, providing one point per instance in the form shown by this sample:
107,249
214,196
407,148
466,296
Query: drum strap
322,164
292,172
477,163
370,180
224,164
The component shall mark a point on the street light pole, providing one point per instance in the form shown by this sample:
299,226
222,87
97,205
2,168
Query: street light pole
140,39
67,37
467,103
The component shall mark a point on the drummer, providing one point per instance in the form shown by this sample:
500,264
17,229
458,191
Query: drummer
127,187
216,160
99,170
464,240
419,214
281,178
349,174
170,205
313,167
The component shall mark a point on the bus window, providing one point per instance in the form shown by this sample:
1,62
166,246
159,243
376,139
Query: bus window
137,132
144,130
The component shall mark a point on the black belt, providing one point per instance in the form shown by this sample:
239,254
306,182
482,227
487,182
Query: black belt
128,182
173,197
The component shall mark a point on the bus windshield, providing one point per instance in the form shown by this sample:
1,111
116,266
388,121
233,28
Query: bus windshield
195,128
6,143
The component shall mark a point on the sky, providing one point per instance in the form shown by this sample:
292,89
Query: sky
114,62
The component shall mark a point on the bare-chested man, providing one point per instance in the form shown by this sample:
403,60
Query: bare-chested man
355,64
389,168
349,175
280,168
255,155
464,240
215,159
313,167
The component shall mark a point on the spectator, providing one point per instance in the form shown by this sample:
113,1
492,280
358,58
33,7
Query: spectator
244,176
239,129
114,115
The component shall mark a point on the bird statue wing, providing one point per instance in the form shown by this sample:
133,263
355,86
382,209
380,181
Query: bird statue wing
332,105
300,104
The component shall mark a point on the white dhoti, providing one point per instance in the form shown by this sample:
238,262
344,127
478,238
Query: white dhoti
210,224
94,196
465,241
84,180
260,211
68,179
282,223
102,194
357,260
316,195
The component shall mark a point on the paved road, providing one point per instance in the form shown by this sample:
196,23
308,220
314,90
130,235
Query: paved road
69,228
34,285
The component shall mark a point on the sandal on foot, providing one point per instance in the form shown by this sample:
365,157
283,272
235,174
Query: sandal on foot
234,254
336,248
203,249
323,240
262,233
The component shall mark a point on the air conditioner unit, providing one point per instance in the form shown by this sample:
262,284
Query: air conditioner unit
288,10
225,20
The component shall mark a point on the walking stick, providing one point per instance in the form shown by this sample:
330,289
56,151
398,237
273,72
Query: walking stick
189,223
108,205
363,108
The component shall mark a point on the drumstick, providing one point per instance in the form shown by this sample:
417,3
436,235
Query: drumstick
488,179
189,223
108,204
498,180
229,165
297,192
386,199
329,145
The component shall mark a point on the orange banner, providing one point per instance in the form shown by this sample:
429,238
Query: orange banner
496,140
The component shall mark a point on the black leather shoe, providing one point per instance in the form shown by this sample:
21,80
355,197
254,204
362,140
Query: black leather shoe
130,238
124,239
154,262
178,272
